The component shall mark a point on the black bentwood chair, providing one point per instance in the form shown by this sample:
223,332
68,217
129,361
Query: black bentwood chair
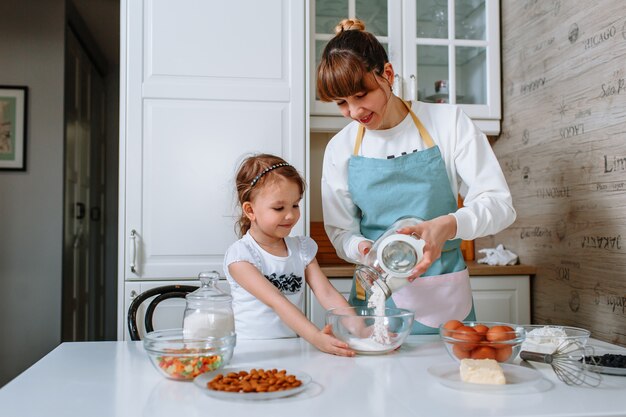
162,293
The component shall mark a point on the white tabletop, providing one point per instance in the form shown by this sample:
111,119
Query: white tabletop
117,379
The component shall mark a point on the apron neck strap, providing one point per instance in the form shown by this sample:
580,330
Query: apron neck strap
359,138
428,140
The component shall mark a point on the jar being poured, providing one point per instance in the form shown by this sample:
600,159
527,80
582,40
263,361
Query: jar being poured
209,311
392,257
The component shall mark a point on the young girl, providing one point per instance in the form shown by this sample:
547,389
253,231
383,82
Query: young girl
399,159
266,268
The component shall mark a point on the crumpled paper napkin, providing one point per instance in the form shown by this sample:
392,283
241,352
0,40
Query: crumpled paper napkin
498,256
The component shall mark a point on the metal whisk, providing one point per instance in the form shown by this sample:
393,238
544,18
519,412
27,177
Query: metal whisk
568,363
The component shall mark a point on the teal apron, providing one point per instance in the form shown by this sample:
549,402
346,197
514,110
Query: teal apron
415,184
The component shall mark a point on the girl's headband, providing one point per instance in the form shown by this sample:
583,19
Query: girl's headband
266,170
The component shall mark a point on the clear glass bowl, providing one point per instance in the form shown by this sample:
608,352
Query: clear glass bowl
500,341
547,338
367,333
184,359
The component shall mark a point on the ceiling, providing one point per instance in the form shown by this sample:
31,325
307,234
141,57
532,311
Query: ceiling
102,17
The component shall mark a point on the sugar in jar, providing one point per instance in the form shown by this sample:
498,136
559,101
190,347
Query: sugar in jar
209,311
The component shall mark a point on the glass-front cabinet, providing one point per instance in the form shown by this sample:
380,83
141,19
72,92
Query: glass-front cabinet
443,51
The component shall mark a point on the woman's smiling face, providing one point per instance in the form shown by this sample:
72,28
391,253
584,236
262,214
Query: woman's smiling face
367,107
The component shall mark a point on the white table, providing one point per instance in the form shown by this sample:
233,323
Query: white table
117,379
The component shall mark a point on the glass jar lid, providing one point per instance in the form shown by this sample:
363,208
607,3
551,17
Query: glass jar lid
398,254
208,291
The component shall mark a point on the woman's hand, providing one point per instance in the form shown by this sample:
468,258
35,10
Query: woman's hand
364,248
435,233
327,342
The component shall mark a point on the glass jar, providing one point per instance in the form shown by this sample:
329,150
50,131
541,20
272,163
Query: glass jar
209,311
391,259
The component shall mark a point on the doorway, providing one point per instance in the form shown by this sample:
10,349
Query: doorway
89,295
84,197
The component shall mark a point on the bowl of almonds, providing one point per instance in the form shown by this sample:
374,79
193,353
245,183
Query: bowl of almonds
252,383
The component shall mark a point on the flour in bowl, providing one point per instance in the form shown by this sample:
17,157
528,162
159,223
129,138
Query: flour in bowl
367,345
544,339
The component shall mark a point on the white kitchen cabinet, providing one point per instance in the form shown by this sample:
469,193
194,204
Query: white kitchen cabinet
314,310
168,314
502,298
200,90
202,86
496,298
456,41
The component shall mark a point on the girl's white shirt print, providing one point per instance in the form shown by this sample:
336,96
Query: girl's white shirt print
254,319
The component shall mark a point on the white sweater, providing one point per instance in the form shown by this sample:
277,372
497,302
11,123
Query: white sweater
473,171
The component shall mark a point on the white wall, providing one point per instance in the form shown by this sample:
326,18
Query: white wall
31,202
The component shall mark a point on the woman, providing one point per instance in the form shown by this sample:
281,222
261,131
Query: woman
405,159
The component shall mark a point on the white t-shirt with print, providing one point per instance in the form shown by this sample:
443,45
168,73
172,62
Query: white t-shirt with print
254,319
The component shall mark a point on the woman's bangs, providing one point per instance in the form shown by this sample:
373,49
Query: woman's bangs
340,77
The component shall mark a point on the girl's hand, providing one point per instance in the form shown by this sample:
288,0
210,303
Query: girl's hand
435,233
327,342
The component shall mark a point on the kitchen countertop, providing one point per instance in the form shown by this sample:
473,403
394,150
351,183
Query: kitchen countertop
475,269
116,379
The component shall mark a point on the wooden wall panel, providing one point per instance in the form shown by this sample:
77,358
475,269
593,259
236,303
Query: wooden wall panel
563,151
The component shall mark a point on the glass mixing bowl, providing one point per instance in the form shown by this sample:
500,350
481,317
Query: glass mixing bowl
547,338
368,333
483,340
180,358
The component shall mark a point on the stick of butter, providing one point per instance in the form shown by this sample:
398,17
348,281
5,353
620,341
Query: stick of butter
482,371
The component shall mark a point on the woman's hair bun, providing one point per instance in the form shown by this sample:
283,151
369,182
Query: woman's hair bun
349,24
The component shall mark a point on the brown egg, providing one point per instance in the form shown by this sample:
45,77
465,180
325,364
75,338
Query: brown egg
504,353
483,352
460,353
481,329
467,334
500,333
451,325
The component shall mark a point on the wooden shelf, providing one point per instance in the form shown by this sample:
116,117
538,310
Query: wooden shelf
475,269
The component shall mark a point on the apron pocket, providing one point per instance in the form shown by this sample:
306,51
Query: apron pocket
437,299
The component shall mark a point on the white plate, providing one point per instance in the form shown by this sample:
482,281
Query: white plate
516,377
202,380
605,369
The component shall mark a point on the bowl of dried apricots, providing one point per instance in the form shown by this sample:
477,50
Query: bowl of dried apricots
482,340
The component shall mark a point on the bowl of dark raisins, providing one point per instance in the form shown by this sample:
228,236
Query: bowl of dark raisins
611,363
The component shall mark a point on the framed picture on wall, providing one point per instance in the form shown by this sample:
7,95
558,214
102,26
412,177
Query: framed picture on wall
13,127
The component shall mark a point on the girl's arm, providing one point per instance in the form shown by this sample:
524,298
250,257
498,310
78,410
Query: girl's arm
329,297
326,294
256,284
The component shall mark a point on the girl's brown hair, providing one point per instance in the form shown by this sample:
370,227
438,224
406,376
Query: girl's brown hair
347,60
254,173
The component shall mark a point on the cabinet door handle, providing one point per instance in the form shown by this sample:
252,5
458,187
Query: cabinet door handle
80,211
397,85
133,250
413,87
